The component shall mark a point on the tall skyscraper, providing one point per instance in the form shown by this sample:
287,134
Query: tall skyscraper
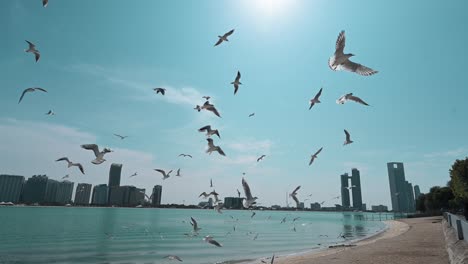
140,196
356,183
157,192
345,200
82,193
64,192
10,188
34,190
51,191
401,191
417,192
100,196
114,178
123,196
233,202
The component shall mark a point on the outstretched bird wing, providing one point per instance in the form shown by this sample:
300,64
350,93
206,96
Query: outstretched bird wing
357,100
348,137
229,33
340,44
92,147
64,158
246,187
205,128
357,68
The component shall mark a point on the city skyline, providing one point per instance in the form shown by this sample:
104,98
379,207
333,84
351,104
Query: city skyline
116,91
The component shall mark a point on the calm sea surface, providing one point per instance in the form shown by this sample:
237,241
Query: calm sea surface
137,235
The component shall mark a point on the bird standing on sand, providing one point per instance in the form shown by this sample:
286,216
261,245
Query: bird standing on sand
316,99
343,99
212,147
72,164
32,49
249,199
348,138
160,90
29,90
237,82
313,157
340,61
99,154
224,37
164,174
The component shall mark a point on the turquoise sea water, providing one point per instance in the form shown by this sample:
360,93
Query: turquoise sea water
137,235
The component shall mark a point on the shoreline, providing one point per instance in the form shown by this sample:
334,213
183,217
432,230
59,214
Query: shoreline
392,228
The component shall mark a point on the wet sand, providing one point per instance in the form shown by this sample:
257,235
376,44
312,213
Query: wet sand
408,241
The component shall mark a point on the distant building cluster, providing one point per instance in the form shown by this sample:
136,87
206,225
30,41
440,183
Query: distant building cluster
354,188
40,190
402,193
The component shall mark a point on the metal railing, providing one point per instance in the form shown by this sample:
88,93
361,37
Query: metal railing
459,224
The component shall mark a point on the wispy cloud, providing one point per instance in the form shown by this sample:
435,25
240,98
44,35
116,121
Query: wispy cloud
459,152
251,145
142,89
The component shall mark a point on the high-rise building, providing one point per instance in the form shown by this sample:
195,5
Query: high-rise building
82,193
401,191
58,193
114,178
34,190
345,200
123,196
417,192
100,195
10,188
364,207
233,202
157,192
315,206
356,190
301,205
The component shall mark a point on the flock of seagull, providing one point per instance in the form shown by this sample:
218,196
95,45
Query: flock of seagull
339,61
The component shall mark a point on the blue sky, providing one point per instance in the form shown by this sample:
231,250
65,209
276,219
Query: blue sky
101,59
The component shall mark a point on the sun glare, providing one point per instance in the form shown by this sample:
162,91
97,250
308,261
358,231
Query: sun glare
272,7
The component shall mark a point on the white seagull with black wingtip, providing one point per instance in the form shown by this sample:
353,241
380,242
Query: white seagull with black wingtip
32,49
343,99
209,131
212,147
163,172
29,90
313,157
72,164
249,199
340,61
99,154
237,82
316,99
348,138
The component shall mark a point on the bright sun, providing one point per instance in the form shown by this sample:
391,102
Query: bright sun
271,7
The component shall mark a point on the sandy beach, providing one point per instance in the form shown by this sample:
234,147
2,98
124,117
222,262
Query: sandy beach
408,241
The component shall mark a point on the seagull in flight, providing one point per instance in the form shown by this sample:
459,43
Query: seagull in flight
209,131
313,157
253,214
350,187
50,113
261,158
316,99
249,199
160,90
206,97
209,239
211,183
173,257
343,99
252,114
212,147
99,154
238,193
209,107
294,195
45,3
340,61
348,138
29,90
165,175
121,137
66,176
133,175
185,155
72,164
237,82
178,173
224,37
283,220
218,207
32,49
206,195
194,224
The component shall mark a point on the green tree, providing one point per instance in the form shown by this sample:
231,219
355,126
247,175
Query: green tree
459,182
420,206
